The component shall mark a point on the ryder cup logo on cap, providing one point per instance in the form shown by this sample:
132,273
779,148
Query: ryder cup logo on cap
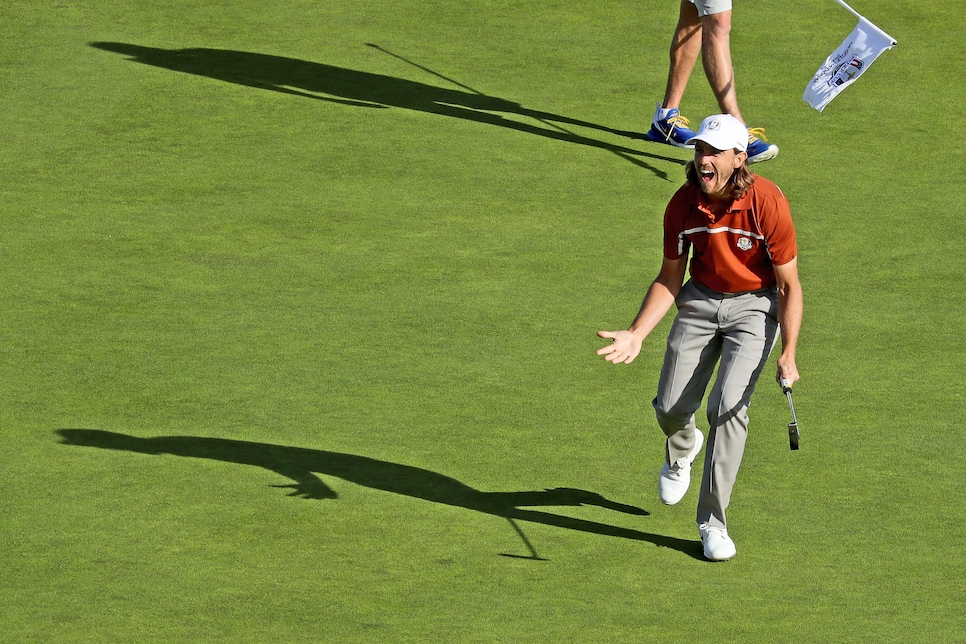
722,132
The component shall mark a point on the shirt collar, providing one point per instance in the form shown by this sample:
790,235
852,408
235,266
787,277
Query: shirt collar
704,204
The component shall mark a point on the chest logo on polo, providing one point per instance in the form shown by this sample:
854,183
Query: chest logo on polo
744,243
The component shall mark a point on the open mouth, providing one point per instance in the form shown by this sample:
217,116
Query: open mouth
707,176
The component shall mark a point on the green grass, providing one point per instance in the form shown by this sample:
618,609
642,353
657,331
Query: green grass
402,277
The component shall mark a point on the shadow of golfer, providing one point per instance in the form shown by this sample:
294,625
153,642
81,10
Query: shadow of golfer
364,89
302,466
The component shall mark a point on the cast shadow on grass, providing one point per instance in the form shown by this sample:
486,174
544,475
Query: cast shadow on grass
302,466
364,89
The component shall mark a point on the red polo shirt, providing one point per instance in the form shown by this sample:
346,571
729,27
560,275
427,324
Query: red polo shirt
737,250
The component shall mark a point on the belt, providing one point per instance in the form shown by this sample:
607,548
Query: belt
718,295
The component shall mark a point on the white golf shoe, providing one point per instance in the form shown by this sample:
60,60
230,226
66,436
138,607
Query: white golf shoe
675,478
718,546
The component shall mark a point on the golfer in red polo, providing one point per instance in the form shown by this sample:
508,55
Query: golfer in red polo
743,293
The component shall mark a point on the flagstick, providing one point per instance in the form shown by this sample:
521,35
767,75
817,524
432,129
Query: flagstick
857,14
863,18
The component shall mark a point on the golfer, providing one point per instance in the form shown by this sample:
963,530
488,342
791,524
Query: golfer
744,290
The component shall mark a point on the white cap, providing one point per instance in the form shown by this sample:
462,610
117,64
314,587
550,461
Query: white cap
722,132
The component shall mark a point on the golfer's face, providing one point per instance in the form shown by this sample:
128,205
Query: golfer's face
715,168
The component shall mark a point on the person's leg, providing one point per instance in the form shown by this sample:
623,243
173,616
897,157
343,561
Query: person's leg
667,124
716,57
692,351
750,329
685,48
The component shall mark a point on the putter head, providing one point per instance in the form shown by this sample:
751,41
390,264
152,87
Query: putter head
793,436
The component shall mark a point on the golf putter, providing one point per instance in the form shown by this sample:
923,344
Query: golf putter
793,434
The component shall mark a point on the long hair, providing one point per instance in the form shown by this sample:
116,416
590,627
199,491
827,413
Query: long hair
739,184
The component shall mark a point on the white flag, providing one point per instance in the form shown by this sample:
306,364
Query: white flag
847,63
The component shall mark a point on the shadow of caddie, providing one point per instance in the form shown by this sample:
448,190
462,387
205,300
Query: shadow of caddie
356,88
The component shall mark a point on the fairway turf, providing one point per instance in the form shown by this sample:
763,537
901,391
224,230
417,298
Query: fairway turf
275,249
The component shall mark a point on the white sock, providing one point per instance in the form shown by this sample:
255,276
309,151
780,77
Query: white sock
661,112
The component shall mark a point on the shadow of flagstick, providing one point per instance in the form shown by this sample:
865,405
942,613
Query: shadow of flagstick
542,118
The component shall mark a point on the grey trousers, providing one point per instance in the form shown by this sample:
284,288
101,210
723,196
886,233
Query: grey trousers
736,333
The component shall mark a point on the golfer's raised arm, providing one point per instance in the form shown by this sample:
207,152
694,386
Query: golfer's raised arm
660,297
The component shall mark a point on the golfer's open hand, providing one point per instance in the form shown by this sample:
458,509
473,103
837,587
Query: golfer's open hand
624,349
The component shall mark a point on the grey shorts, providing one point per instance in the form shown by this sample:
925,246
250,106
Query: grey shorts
708,7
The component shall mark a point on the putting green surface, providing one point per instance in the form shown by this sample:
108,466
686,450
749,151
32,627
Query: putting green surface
299,311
